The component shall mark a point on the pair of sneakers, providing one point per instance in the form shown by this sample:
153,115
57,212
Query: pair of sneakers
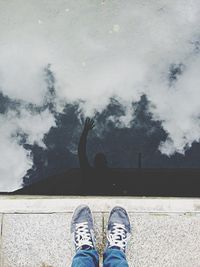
118,230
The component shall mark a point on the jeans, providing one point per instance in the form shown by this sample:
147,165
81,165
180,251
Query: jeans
89,258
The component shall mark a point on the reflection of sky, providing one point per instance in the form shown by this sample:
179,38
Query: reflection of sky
98,50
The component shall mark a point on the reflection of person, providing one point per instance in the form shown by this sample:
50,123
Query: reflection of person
118,234
100,159
89,173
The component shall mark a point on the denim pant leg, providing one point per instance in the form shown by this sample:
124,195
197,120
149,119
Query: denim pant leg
86,258
114,258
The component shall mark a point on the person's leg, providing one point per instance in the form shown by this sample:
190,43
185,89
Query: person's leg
114,258
86,258
118,234
82,230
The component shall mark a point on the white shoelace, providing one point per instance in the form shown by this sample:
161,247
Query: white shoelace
82,235
118,236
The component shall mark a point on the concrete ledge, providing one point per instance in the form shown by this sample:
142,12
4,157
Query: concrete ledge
47,204
35,231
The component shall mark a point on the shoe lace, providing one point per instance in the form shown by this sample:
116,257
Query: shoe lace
118,236
82,235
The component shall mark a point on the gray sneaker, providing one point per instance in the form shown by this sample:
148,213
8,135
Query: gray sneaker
82,228
119,229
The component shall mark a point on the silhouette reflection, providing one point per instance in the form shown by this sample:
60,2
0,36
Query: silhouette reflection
95,179
100,179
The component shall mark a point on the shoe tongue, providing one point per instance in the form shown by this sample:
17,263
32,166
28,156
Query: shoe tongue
86,247
115,247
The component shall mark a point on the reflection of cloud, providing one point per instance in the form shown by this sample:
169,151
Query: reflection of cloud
149,37
14,159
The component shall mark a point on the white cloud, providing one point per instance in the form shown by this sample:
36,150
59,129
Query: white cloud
14,159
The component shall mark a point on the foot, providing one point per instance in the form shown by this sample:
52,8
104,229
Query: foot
82,228
119,229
